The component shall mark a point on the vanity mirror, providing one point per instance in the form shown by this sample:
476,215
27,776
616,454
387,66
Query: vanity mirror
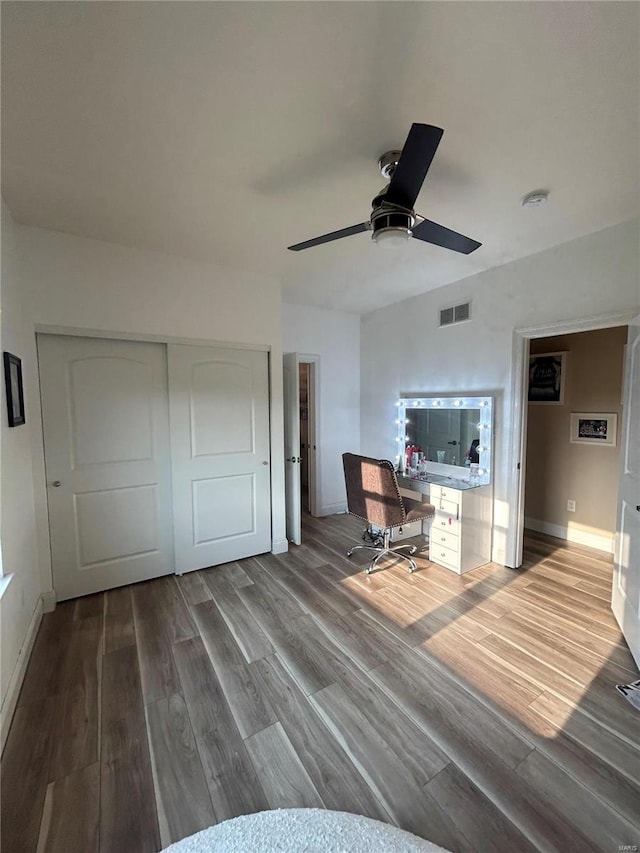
449,435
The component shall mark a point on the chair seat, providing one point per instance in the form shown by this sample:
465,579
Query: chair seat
416,510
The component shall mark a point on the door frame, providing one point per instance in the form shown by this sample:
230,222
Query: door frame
279,543
517,440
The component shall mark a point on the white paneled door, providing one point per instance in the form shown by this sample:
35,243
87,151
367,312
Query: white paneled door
219,415
106,434
625,599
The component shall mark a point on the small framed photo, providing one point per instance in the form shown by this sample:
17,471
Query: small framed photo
547,374
13,384
593,428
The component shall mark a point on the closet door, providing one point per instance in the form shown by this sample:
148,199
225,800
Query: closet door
106,437
219,415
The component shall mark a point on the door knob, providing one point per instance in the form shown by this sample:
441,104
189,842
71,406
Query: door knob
265,462
56,484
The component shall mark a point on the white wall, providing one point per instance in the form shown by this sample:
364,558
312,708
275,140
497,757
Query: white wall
71,282
334,336
20,587
402,349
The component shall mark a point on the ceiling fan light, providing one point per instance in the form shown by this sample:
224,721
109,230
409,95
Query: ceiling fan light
392,238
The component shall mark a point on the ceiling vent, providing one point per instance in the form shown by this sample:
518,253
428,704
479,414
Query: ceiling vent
457,314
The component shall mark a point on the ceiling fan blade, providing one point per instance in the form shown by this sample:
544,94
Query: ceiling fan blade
431,232
328,238
412,168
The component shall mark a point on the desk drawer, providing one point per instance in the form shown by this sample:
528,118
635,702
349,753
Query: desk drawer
448,494
443,537
445,521
444,556
447,506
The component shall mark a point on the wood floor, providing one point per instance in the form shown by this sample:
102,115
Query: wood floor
479,712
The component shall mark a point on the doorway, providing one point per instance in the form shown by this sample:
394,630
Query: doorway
571,483
308,447
300,384
516,434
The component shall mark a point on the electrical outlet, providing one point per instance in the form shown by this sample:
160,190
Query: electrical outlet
571,506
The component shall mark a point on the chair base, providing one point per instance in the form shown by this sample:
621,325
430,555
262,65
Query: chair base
382,551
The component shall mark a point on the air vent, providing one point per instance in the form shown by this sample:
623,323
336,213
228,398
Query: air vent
457,314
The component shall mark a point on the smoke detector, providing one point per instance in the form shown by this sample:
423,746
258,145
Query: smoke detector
536,198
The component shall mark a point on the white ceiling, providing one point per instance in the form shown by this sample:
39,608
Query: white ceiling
227,131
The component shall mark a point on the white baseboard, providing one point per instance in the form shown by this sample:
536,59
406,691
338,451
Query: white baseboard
331,509
17,677
580,537
279,546
48,601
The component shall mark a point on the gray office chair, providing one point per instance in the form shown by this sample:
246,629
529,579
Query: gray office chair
373,495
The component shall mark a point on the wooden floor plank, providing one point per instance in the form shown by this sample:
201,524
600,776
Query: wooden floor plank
76,729
47,663
247,633
157,669
119,630
89,605
128,818
172,610
284,779
606,829
336,779
286,604
306,665
565,717
25,771
233,784
121,686
481,823
454,714
235,574
249,708
596,699
182,796
357,638
70,818
462,739
478,670
401,795
193,587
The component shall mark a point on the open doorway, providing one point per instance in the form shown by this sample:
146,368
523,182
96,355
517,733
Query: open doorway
572,468
307,447
301,440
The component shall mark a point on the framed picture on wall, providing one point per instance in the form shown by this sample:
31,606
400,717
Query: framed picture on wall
13,385
547,374
593,428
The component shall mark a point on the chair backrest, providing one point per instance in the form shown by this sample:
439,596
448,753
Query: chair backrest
372,490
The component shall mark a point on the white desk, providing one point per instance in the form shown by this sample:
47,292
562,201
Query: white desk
460,535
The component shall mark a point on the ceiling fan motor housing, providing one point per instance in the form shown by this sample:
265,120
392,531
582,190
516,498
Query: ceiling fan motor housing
386,218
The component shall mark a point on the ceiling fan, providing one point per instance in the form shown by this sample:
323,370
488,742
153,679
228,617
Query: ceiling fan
393,220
